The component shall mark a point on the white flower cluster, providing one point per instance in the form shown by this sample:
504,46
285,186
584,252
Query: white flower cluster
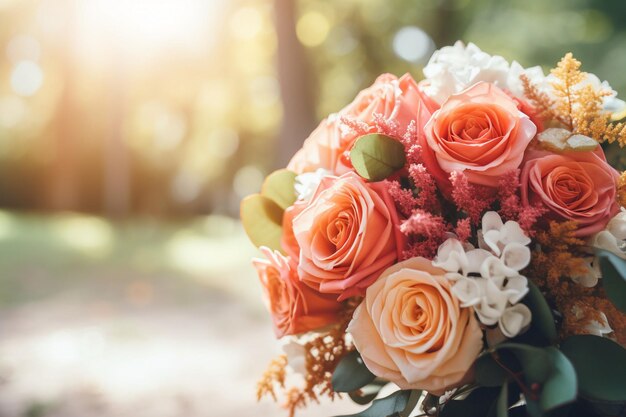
612,239
307,183
452,69
487,278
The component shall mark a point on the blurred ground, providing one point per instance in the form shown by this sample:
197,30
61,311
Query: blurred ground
139,319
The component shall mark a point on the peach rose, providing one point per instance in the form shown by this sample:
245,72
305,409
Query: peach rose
412,331
295,308
579,186
392,99
347,235
480,131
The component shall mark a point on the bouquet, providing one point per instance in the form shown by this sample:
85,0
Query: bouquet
458,241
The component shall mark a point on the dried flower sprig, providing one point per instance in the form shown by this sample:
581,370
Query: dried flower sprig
577,105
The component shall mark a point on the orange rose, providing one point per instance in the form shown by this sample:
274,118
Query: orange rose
295,308
579,186
479,131
412,331
347,235
328,147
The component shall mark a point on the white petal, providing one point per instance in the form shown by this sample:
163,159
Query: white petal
599,329
514,319
475,260
617,225
516,256
491,239
467,291
491,221
591,275
512,232
494,269
493,302
516,288
451,256
607,241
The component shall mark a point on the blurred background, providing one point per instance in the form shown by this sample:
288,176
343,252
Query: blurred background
129,132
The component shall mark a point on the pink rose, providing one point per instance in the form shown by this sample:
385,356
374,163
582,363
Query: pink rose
389,98
412,331
579,186
480,131
347,235
295,308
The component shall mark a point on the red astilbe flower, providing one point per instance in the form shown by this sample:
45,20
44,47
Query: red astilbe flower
405,201
511,207
427,188
412,148
470,198
463,229
425,233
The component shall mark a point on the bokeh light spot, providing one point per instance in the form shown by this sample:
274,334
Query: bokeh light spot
312,28
26,78
412,44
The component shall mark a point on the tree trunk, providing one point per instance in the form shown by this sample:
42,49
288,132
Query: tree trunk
296,84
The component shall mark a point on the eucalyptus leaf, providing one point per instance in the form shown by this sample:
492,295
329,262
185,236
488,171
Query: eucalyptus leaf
262,220
383,407
488,372
279,187
536,362
502,405
375,156
600,365
561,387
476,404
351,373
542,329
613,270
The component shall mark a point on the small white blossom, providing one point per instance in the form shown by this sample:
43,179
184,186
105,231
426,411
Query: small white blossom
594,327
612,239
514,320
307,183
487,278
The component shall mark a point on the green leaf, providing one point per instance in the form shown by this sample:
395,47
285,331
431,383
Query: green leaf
351,373
502,405
488,372
262,220
542,329
536,362
476,404
394,403
375,156
560,388
613,270
366,394
414,398
600,364
279,187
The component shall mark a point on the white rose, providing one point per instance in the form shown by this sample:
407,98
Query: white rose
452,69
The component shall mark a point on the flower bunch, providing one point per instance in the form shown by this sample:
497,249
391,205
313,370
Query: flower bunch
462,238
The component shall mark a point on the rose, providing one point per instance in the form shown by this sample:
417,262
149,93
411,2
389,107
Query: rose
579,186
347,235
392,100
295,307
412,331
479,131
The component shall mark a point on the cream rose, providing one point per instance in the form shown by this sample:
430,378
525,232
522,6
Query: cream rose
411,330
